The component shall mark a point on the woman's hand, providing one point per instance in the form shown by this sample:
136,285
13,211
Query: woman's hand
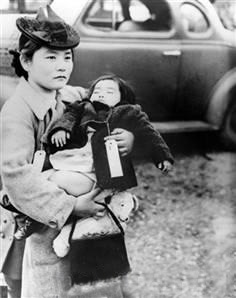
124,139
86,206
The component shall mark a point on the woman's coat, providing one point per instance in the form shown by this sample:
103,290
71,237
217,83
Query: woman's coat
22,128
7,228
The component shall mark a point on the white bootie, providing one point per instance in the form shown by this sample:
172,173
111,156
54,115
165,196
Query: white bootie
61,244
60,247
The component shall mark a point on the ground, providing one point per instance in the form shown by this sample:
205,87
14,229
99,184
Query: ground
182,241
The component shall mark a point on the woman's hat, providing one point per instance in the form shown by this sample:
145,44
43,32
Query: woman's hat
48,30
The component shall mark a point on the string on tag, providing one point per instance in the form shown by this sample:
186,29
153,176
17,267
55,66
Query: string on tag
108,128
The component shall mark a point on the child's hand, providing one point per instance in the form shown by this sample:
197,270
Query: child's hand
60,138
165,166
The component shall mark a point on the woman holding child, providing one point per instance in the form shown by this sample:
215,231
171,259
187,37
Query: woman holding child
46,62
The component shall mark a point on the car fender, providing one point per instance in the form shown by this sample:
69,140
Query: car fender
220,98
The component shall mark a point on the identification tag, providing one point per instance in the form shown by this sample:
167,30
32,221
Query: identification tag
113,158
38,161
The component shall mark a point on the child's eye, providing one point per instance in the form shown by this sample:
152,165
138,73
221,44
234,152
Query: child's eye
50,57
68,57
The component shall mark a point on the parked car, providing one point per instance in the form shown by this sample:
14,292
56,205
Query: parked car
177,55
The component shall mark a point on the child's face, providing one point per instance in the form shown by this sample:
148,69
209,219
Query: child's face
50,69
106,92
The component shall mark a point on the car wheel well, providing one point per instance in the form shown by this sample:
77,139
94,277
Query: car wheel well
228,127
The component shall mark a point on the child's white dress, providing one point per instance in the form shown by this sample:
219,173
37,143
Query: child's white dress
76,160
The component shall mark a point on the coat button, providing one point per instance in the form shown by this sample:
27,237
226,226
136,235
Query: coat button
52,224
2,235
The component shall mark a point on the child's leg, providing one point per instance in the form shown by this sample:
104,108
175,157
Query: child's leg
74,183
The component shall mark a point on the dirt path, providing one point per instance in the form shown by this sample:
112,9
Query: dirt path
182,242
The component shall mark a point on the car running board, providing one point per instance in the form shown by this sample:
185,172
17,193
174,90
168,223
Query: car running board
183,126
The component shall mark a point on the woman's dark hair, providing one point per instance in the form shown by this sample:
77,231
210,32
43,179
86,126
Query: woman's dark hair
126,91
27,48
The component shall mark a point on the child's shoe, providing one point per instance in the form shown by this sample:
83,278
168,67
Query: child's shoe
61,243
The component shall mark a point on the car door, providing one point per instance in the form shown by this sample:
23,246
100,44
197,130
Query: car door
205,58
124,40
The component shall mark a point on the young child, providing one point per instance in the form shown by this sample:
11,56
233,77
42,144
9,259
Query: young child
84,125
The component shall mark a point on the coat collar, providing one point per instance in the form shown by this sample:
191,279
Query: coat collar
36,101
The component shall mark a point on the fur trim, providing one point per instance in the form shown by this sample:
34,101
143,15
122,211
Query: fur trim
95,288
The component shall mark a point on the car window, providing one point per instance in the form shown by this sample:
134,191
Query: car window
133,15
104,14
69,12
138,11
193,19
22,6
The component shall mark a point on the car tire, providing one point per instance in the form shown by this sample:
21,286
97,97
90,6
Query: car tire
228,131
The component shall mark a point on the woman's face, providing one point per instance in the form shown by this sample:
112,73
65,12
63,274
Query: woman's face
106,92
49,69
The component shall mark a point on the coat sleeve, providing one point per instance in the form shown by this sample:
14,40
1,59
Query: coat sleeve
69,122
69,118
27,189
146,134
